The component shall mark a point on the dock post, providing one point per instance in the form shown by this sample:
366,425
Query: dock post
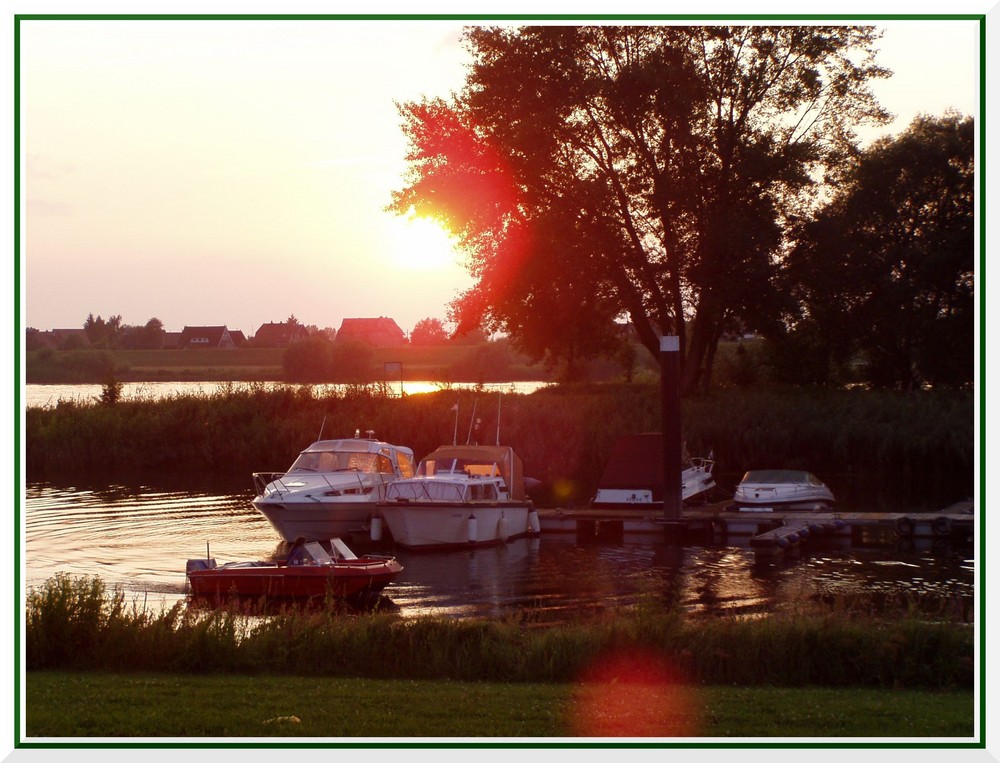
671,413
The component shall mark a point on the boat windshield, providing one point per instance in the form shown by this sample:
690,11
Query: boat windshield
425,491
780,476
340,461
429,490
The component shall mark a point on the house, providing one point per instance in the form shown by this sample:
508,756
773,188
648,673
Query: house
279,334
200,337
378,332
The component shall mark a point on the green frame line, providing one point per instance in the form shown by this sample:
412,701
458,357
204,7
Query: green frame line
712,744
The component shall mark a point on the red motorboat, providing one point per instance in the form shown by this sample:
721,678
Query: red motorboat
315,574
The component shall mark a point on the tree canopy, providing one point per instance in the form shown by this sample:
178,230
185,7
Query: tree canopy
601,173
885,271
428,331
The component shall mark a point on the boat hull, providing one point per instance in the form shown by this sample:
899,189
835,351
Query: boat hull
317,521
343,580
446,526
763,507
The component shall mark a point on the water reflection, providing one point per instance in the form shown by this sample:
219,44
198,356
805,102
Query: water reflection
139,538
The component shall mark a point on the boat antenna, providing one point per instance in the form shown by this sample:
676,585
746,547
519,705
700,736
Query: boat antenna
454,438
499,403
472,420
321,428
208,551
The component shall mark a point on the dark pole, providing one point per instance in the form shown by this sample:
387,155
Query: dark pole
671,413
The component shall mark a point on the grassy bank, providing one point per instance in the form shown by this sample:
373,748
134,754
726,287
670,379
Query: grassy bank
61,704
872,448
75,624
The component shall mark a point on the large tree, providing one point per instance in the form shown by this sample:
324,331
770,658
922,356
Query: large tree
885,271
598,173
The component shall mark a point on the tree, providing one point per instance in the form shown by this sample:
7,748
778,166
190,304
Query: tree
309,361
886,268
101,333
428,331
595,173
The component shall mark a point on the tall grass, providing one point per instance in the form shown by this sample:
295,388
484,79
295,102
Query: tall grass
74,623
872,448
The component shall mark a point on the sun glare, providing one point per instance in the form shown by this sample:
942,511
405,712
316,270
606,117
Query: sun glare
421,244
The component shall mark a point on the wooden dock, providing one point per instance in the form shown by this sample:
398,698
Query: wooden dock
767,531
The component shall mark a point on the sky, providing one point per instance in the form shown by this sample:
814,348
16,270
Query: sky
237,172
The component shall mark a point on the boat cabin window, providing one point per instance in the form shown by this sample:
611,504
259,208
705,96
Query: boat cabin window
425,491
430,467
405,465
333,461
484,492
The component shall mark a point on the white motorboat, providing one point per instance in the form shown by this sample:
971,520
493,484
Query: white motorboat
633,477
461,496
767,490
331,489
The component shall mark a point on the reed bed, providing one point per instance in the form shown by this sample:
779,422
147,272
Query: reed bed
882,447
74,623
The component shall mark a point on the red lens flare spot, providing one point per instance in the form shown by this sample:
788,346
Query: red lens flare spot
634,694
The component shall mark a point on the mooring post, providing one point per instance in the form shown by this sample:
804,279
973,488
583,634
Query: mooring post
670,350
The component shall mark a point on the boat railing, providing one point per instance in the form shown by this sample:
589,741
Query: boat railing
262,479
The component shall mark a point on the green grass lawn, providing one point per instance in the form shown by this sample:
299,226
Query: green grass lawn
81,705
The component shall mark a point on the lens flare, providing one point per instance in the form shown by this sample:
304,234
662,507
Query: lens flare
634,694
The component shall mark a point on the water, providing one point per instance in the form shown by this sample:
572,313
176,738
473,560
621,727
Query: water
138,538
49,395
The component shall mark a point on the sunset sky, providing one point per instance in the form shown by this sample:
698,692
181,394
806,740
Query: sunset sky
236,172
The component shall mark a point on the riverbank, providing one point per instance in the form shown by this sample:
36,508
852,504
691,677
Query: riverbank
487,362
76,624
97,666
63,704
876,450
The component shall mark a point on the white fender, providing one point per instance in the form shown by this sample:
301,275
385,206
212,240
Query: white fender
473,529
534,525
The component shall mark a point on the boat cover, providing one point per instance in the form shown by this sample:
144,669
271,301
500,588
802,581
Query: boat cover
503,456
780,477
636,463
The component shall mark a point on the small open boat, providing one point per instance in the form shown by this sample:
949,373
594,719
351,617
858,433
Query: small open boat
314,573
766,490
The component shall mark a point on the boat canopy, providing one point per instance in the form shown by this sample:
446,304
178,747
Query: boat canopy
780,477
635,463
477,460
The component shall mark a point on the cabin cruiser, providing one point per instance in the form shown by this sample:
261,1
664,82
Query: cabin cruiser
766,490
331,489
461,496
633,477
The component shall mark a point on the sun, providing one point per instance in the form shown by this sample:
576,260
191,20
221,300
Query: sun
421,244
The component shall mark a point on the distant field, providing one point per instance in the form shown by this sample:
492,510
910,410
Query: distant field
446,362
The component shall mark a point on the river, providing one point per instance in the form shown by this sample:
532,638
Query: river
49,395
138,537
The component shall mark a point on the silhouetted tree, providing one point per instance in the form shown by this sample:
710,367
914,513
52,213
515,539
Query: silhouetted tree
594,173
886,269
428,331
